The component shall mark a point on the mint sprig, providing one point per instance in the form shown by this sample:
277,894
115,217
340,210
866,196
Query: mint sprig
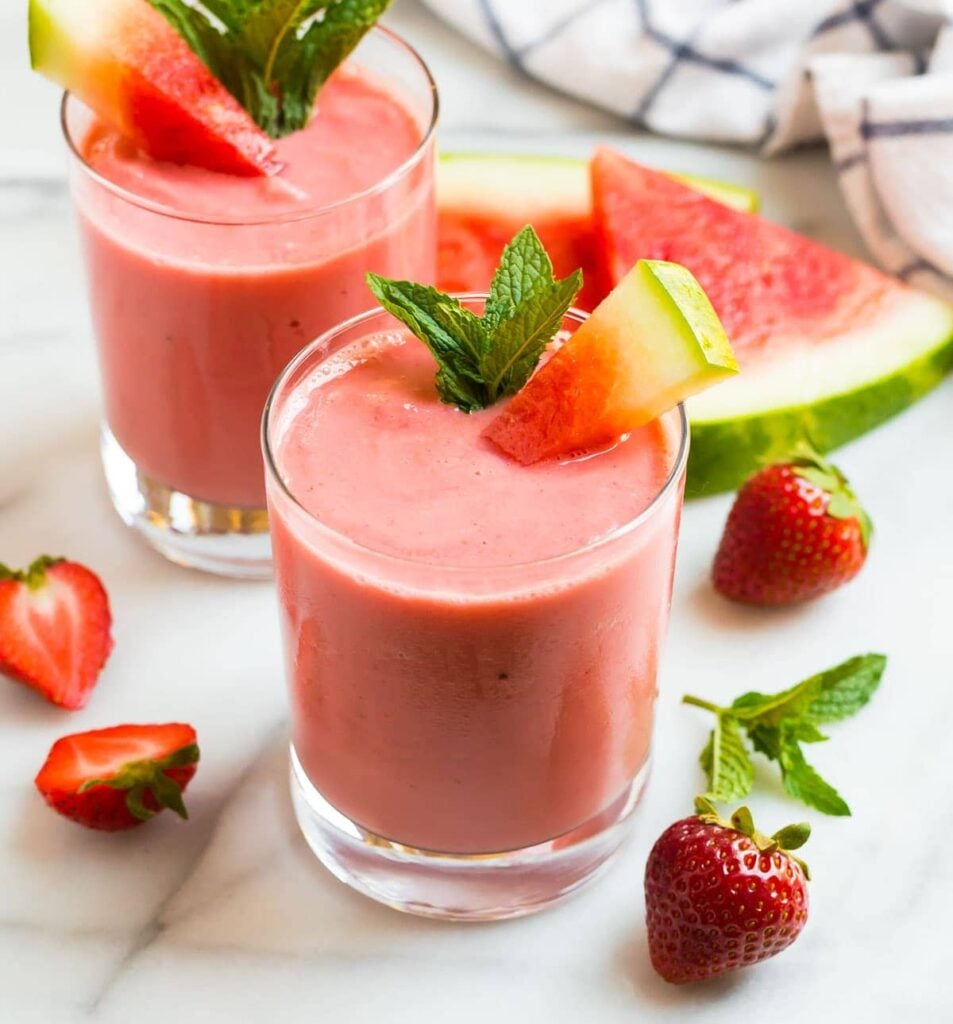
483,359
777,724
273,55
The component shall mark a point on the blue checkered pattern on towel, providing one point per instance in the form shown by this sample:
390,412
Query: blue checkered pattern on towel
873,76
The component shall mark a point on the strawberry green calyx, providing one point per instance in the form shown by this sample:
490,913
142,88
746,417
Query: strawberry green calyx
785,840
810,465
34,576
148,776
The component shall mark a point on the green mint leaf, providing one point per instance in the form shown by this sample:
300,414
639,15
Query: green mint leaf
524,270
766,739
204,30
726,763
295,45
432,316
482,359
467,328
770,708
273,55
518,342
843,690
804,783
804,731
777,724
524,310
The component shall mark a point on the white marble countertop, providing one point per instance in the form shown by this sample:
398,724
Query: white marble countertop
228,918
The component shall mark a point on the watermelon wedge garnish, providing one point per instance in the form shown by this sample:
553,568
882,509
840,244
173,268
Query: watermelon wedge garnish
828,346
652,342
484,199
125,61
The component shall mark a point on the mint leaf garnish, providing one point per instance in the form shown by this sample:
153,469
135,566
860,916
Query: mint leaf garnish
273,55
804,784
482,359
844,690
777,724
726,762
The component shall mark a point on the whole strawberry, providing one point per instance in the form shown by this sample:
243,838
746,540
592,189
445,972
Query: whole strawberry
55,627
795,531
117,778
720,896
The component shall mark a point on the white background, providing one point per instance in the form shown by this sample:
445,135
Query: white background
228,918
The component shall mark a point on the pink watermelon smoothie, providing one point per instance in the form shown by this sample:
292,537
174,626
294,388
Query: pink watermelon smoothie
203,285
472,645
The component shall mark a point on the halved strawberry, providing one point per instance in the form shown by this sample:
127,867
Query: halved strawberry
117,778
54,628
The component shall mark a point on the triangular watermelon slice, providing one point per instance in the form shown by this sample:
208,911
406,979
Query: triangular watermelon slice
828,346
485,198
125,61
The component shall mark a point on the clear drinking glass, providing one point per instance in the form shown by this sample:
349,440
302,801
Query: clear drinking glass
467,743
195,317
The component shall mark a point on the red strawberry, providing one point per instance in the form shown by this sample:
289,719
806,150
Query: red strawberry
795,531
720,896
117,778
54,629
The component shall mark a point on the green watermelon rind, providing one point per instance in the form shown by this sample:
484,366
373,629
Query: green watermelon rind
732,436
568,177
724,453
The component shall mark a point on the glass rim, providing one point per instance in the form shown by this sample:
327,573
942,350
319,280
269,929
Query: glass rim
271,467
287,216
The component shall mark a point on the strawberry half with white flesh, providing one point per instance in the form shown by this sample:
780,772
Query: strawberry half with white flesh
55,629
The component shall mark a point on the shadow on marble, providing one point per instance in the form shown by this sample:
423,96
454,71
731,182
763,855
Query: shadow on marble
706,603
633,963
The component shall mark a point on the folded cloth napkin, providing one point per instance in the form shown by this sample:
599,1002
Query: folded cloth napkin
873,76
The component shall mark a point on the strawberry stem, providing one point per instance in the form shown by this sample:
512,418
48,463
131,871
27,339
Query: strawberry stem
34,576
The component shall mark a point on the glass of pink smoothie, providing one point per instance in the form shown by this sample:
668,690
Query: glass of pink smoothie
472,645
203,285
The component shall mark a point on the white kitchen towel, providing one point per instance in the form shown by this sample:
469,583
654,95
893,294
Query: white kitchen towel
874,76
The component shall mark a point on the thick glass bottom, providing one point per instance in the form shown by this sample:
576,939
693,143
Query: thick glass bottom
198,534
458,887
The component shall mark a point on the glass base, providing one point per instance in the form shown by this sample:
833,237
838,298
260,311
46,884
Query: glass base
458,887
198,534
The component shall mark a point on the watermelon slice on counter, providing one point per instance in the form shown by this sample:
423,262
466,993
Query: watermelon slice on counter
828,346
485,199
128,64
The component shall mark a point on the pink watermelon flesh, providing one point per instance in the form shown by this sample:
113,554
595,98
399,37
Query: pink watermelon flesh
767,283
182,114
125,60
470,244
